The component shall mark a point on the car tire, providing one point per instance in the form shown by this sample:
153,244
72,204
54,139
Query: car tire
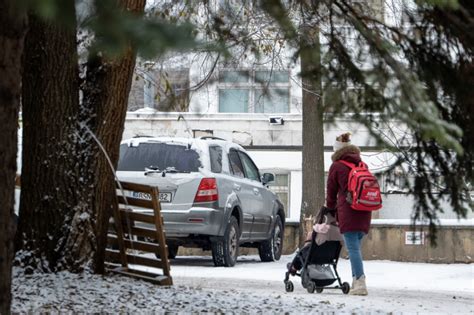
310,287
172,251
226,251
270,250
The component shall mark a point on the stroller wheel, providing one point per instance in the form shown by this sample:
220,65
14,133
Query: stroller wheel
289,287
311,287
345,288
319,290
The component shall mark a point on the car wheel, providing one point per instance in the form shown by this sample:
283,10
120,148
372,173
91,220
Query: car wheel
270,250
226,251
311,287
172,251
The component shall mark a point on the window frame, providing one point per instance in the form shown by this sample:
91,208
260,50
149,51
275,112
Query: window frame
253,86
157,79
259,178
346,94
231,169
249,97
211,147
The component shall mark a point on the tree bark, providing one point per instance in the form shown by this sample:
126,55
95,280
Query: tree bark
13,23
313,130
51,197
108,84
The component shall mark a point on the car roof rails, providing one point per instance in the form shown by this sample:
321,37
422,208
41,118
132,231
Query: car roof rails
142,136
211,138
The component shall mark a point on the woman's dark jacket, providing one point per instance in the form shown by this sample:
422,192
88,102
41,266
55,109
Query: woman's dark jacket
349,220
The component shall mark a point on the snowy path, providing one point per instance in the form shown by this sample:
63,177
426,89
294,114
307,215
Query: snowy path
393,286
251,287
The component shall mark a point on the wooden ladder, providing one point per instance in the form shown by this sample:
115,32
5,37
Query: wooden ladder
138,226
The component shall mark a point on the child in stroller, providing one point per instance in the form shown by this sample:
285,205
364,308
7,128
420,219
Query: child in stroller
318,258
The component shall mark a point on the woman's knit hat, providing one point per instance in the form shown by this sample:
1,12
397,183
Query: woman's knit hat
342,141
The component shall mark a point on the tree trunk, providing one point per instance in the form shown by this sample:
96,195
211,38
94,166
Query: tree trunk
51,197
313,131
12,32
108,84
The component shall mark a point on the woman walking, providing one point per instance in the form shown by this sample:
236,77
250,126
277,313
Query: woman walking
354,225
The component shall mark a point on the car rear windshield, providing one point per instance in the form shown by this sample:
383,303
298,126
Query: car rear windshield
158,156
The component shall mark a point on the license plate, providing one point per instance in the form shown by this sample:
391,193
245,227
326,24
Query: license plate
163,196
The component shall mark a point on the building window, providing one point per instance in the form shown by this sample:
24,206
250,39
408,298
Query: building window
281,187
260,91
352,99
233,100
197,133
274,101
234,76
396,181
167,91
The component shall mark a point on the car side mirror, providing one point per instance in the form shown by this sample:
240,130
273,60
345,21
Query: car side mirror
267,178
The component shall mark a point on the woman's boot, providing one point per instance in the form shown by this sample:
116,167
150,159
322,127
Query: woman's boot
360,287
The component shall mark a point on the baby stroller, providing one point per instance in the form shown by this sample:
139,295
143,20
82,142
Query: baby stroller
319,265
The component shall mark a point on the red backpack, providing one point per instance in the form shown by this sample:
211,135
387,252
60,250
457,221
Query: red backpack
363,188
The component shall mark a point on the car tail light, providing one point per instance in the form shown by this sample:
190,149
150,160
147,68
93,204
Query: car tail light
207,190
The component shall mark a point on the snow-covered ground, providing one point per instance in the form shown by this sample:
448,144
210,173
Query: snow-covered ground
251,287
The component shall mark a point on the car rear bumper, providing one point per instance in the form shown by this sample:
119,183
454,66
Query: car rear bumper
194,221
201,221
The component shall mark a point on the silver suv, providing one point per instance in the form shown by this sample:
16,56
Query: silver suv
212,195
